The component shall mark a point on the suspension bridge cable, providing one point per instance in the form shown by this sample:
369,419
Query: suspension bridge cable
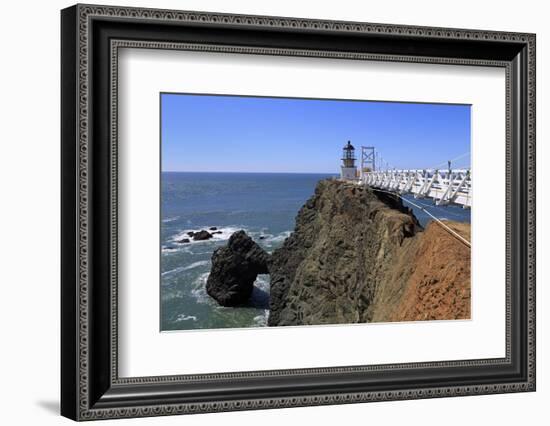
464,240
389,166
440,208
452,160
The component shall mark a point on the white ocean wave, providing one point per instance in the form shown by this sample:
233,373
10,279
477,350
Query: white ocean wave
271,239
261,320
199,288
281,237
169,295
264,236
196,264
170,219
220,234
186,268
262,282
170,249
178,248
171,271
183,317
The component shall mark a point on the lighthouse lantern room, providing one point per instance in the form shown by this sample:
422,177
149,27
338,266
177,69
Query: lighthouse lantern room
348,169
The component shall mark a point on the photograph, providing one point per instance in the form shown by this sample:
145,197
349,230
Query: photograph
281,211
265,209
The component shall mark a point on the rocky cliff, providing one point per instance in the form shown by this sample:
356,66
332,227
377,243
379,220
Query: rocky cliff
360,256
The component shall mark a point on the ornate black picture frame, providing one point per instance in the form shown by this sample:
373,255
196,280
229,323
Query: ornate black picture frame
91,36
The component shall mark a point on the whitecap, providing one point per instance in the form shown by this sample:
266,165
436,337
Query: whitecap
264,237
169,295
169,249
171,271
178,248
261,320
183,317
199,288
170,219
262,282
186,268
277,239
220,234
196,264
282,236
226,233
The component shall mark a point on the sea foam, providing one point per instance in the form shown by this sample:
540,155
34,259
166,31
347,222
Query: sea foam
170,219
183,317
186,268
226,232
199,288
271,239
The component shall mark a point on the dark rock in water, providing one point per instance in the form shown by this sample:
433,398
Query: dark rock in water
234,270
202,235
262,237
190,233
184,240
217,232
213,228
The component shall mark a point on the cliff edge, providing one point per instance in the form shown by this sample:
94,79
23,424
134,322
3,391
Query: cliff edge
361,256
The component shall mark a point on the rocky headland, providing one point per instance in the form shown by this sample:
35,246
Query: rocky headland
355,256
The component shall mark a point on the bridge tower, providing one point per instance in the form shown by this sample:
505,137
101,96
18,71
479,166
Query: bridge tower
368,159
348,169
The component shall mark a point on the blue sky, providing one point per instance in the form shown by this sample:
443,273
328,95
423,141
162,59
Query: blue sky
251,134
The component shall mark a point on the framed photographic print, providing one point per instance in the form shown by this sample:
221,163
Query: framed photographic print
263,212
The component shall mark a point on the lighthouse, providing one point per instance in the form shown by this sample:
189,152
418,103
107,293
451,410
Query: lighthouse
348,170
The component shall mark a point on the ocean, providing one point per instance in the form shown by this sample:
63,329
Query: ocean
263,204
450,212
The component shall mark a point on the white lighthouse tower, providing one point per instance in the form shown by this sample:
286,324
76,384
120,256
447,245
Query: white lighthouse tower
348,170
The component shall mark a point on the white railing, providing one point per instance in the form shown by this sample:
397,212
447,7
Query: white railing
443,186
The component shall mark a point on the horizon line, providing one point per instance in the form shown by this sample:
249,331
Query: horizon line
245,172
